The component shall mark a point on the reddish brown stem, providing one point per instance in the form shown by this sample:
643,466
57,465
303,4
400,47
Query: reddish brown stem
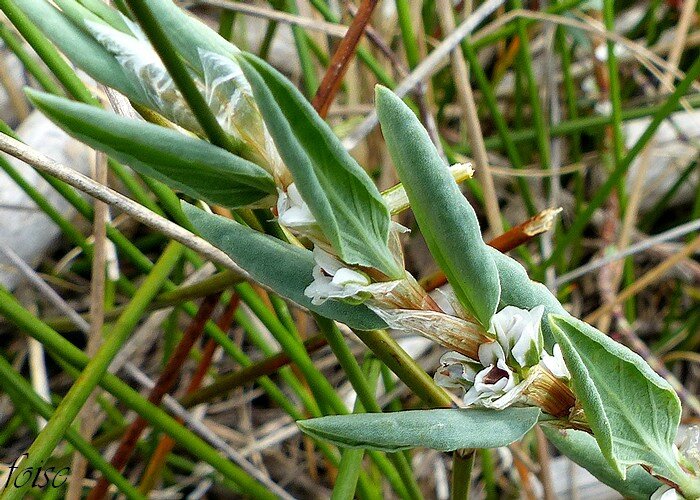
166,381
339,62
166,443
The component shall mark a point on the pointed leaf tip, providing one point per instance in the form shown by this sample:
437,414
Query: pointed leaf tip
445,217
186,164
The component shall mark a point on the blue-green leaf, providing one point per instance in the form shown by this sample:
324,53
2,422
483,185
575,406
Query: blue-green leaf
445,217
442,429
633,412
284,268
81,48
192,166
347,205
583,449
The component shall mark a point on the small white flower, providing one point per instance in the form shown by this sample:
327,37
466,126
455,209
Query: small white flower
332,280
665,493
518,332
555,363
456,371
292,210
504,369
488,382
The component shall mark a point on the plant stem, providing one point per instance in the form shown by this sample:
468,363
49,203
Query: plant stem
351,459
405,367
602,193
462,464
17,388
499,121
341,59
307,68
614,81
487,470
365,394
72,359
410,42
66,412
48,53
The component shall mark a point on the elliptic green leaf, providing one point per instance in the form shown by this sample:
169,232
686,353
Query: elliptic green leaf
442,429
583,449
445,217
81,48
284,268
633,412
192,166
347,205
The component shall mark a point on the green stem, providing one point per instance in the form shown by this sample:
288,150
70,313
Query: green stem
18,388
9,429
462,464
489,475
604,191
511,29
365,394
29,63
541,132
320,387
410,42
308,72
586,124
47,52
363,54
226,23
405,367
498,119
614,78
66,412
74,359
351,459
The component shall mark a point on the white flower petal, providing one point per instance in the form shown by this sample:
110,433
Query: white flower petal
510,397
555,363
536,314
665,493
471,396
518,332
491,352
345,276
292,211
326,261
690,447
